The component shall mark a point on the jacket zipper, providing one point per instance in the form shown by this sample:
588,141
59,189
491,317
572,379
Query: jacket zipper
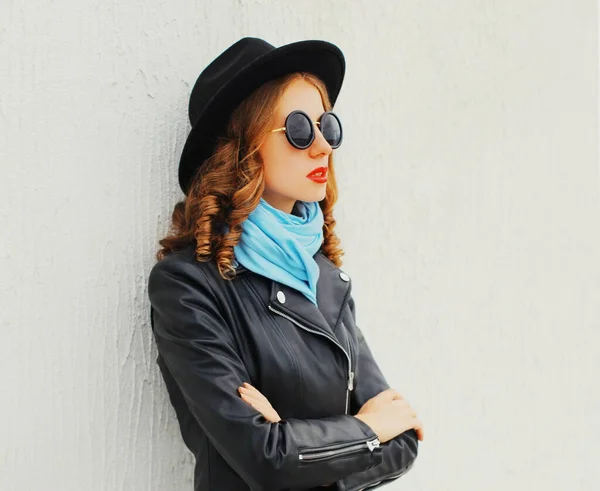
323,454
350,385
350,375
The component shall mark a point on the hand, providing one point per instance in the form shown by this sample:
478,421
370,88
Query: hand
254,398
381,399
389,415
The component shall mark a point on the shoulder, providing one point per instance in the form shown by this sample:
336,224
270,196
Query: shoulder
179,270
183,297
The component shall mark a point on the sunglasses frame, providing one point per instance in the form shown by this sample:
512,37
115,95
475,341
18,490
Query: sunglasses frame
318,122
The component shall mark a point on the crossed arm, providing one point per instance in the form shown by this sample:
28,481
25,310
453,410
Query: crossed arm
253,397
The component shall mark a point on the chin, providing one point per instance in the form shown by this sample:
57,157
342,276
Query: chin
314,196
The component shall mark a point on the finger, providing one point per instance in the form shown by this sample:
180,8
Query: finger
258,405
406,408
246,399
410,411
419,434
418,427
268,413
264,408
252,398
273,417
254,390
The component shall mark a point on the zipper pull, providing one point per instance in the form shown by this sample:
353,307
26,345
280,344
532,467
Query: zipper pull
351,381
373,444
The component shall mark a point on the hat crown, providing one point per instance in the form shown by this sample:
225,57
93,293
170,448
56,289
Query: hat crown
222,68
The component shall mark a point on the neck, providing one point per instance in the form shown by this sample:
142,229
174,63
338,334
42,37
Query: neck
295,210
282,203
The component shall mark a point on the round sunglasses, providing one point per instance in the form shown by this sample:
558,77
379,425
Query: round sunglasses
300,130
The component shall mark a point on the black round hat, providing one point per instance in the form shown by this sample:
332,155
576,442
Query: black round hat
235,74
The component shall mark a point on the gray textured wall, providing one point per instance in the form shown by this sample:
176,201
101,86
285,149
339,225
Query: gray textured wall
469,213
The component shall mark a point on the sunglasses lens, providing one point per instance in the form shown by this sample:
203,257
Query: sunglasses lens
299,130
331,129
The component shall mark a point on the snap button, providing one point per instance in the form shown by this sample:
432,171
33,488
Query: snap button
344,277
281,297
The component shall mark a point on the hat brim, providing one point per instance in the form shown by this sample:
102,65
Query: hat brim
321,58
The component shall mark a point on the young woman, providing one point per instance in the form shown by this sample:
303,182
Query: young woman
273,383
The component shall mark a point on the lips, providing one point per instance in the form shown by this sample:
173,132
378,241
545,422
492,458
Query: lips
320,172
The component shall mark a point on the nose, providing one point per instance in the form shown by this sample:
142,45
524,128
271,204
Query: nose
319,146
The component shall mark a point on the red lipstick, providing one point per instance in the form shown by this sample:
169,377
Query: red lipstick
318,175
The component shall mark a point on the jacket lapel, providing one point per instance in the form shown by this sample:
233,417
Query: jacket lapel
332,295
333,292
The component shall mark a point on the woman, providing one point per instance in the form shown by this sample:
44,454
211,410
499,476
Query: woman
272,381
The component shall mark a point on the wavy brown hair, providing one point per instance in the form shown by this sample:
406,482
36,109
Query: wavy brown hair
230,183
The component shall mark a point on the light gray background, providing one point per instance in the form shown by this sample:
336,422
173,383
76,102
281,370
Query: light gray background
469,213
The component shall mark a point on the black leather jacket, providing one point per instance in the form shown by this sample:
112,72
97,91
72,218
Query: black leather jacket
313,365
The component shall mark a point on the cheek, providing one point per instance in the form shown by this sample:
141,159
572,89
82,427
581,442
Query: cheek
278,175
282,165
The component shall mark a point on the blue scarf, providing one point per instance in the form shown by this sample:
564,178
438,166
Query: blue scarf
281,245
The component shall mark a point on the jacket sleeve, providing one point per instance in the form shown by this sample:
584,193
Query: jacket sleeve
199,350
399,453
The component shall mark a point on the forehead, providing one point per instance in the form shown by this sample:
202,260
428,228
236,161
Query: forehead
300,95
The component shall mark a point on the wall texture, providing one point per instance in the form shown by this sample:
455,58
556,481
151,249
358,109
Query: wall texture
469,213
